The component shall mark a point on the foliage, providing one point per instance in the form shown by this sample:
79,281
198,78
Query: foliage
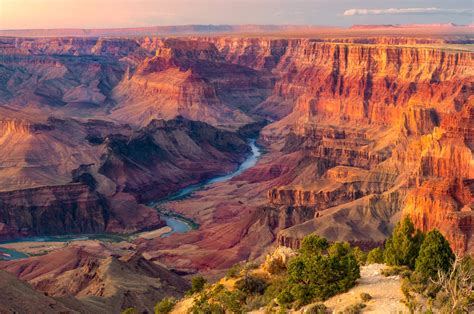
234,271
275,266
255,302
251,284
365,297
197,284
403,245
165,306
318,308
354,308
435,254
403,271
313,245
130,310
231,300
360,255
314,276
203,306
375,256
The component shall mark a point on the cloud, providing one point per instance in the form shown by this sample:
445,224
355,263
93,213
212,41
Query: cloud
402,11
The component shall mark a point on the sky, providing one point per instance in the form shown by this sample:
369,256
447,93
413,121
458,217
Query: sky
26,14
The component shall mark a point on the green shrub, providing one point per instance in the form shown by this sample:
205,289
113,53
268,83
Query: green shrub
318,308
354,308
365,297
197,284
204,306
232,301
360,255
435,255
234,271
313,244
403,245
130,310
275,287
375,256
313,276
251,284
165,306
403,271
255,302
285,297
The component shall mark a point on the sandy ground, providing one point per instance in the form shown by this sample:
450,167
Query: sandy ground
385,292
155,233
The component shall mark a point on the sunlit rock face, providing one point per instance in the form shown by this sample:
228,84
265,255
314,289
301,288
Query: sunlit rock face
363,130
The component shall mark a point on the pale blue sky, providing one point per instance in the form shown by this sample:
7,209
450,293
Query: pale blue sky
15,14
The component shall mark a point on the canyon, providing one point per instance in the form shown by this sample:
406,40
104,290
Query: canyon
357,132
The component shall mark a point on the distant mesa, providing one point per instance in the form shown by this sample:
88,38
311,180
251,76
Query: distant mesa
173,30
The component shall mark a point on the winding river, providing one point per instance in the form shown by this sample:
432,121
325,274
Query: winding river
176,222
179,224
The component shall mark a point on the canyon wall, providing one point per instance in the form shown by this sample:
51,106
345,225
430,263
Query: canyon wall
363,129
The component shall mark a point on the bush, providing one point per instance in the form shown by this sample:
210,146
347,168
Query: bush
365,297
130,310
318,308
403,245
360,255
313,244
197,284
313,276
402,271
435,255
251,284
234,271
254,303
232,301
375,256
165,306
354,308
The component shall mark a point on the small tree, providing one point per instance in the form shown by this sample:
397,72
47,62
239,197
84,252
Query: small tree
313,276
197,284
375,256
403,245
313,244
435,254
360,255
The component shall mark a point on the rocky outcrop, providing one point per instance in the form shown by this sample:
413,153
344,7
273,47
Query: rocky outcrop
72,208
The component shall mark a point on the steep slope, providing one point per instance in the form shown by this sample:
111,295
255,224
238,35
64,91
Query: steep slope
189,78
19,297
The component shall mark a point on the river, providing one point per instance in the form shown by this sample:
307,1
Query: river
176,222
179,224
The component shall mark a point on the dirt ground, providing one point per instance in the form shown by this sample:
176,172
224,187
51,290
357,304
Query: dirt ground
385,292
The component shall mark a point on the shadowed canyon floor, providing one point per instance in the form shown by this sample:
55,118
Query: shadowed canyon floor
355,132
